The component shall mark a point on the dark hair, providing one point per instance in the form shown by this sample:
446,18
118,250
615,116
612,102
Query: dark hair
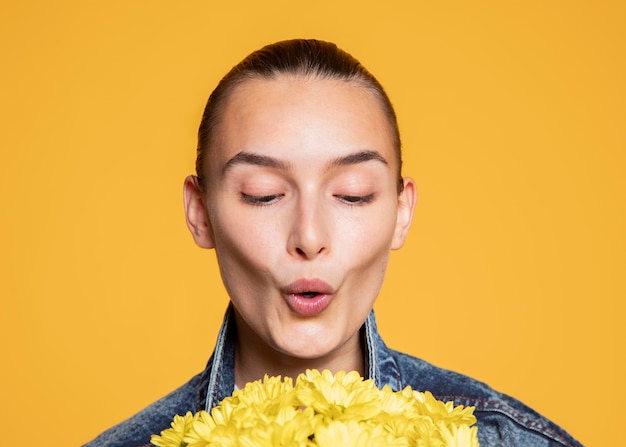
300,57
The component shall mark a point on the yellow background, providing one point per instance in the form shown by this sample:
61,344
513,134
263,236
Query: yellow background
512,115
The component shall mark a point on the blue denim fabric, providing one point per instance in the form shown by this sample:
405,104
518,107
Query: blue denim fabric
502,420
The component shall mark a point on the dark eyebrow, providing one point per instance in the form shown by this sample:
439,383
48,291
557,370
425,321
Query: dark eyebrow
254,159
271,162
357,157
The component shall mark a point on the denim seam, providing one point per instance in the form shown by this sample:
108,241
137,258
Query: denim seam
214,376
200,401
369,335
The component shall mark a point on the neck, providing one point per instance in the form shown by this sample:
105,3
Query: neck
254,358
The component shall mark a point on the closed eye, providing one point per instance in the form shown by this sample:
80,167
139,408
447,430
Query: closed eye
260,200
355,200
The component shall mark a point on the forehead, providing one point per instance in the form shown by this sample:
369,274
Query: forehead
293,115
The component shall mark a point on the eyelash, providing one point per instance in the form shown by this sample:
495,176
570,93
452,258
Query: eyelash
260,200
356,200
272,198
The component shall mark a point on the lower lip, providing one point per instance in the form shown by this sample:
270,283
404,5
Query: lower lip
308,307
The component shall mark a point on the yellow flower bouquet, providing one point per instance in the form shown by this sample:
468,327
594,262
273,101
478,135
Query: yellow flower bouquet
323,409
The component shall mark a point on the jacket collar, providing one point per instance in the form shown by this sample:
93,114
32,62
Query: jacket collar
220,383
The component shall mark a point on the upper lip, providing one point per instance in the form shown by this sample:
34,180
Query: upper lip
309,285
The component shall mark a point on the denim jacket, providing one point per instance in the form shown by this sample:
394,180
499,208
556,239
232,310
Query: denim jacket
501,420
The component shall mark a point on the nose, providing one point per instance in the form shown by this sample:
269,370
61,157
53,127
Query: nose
309,231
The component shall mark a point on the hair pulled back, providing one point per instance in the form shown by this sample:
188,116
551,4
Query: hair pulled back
298,57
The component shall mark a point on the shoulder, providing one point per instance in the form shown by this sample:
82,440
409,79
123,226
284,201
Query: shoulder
136,431
501,419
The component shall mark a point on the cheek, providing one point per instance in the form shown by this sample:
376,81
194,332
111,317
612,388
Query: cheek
243,241
242,251
369,240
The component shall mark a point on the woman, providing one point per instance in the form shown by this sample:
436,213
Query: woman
299,191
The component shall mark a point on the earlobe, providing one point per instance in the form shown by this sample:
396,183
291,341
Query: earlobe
196,213
406,205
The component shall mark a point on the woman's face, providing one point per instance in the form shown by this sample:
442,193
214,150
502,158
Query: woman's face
302,207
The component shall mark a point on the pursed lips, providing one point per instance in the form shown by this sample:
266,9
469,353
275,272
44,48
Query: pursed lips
308,288
308,297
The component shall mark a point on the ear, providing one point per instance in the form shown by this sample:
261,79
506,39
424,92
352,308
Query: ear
196,213
406,205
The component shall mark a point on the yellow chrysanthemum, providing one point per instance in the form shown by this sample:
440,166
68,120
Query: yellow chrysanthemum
355,434
397,403
296,432
439,410
460,436
201,429
323,409
271,389
340,397
173,437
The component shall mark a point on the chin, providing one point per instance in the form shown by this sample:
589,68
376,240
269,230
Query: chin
311,346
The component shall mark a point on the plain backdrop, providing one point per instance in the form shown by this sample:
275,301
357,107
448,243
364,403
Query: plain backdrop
512,116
